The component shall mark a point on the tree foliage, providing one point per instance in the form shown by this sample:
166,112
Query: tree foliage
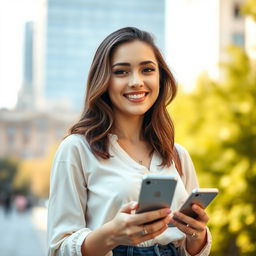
249,8
217,123
8,169
35,173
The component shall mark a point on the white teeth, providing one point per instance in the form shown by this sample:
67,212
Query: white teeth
135,96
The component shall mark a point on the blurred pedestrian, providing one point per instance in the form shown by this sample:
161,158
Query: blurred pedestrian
20,203
7,203
124,132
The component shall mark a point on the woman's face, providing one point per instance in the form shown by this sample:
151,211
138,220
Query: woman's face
134,81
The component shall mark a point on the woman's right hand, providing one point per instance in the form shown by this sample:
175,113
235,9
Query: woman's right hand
132,229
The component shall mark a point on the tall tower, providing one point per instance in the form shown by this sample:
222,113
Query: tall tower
26,95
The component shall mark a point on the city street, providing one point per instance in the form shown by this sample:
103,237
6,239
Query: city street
23,234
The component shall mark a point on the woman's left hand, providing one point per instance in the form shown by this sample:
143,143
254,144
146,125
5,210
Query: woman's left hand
195,229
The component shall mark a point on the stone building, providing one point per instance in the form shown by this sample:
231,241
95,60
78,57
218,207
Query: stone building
31,134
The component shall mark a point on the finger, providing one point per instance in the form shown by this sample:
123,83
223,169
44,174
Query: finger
151,228
146,217
154,234
127,208
188,221
157,225
202,215
184,228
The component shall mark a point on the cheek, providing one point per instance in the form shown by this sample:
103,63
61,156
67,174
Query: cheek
156,91
156,87
114,92
115,85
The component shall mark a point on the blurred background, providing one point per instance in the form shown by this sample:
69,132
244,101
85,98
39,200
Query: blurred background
46,47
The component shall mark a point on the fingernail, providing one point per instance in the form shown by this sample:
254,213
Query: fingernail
134,205
195,207
168,211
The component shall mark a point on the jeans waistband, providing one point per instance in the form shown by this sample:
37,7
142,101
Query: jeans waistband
155,250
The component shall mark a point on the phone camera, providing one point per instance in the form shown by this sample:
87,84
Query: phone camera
148,182
197,194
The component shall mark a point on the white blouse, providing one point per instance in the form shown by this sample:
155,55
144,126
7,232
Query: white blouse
87,191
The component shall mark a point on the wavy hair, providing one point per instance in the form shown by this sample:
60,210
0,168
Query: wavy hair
96,121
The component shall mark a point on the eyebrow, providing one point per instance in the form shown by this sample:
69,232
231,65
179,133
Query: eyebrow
128,64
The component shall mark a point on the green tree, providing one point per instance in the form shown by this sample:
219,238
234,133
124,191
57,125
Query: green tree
249,8
35,174
8,169
217,123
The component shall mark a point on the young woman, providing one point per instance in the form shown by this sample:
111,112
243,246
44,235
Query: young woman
124,133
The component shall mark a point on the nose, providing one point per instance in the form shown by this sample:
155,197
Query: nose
135,80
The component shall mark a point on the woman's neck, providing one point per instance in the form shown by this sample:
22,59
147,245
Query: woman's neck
128,128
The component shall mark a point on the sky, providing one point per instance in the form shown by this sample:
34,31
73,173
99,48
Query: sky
13,15
192,39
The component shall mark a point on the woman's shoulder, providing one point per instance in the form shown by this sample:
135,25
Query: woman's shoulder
73,141
181,150
73,144
184,156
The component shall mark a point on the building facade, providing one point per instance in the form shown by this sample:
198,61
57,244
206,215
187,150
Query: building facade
26,134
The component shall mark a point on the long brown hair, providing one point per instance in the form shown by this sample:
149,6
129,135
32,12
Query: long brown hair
97,121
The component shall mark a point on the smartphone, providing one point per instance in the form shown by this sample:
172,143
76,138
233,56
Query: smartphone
200,196
156,192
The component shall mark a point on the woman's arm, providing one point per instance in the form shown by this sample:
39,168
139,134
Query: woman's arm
67,227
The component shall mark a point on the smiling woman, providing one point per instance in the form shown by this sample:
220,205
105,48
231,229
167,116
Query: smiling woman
124,132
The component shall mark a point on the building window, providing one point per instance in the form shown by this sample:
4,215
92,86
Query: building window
26,134
238,39
11,135
237,11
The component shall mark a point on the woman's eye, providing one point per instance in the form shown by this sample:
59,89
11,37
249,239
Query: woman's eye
120,72
147,70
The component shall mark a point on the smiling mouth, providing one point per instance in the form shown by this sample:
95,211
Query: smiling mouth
136,96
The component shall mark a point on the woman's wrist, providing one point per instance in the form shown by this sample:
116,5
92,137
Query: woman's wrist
110,235
102,236
195,245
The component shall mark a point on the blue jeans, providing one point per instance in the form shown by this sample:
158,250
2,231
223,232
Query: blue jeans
155,250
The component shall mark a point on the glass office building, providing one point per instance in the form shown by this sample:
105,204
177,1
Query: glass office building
74,29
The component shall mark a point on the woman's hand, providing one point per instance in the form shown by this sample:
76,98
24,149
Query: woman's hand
126,229
132,229
195,229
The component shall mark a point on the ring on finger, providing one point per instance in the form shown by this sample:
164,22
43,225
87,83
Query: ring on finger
144,231
194,235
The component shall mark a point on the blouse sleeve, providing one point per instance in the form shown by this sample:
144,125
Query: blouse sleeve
67,204
190,181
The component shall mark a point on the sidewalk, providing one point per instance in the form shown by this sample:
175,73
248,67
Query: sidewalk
23,234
